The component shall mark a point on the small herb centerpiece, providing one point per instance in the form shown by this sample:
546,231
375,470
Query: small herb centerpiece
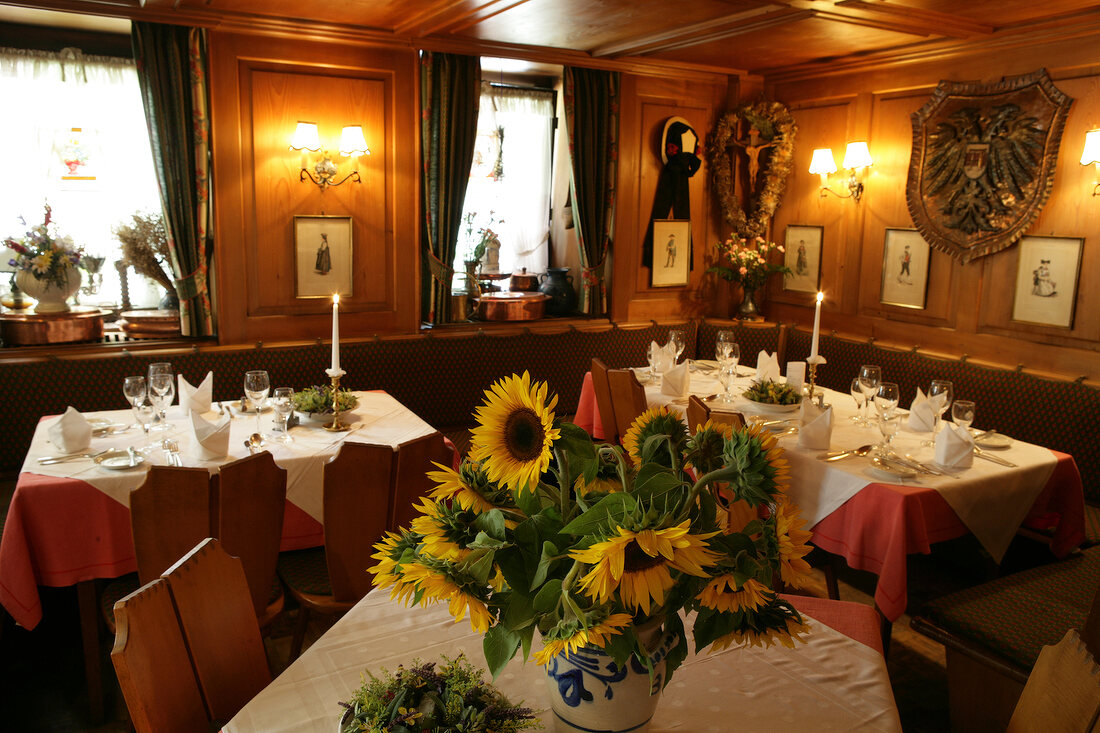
317,400
428,699
749,263
45,265
771,392
540,530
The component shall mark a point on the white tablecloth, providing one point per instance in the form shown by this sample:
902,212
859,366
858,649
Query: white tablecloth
831,683
379,419
991,500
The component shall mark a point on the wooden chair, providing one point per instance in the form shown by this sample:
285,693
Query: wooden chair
332,579
627,397
250,495
410,481
604,405
1062,692
188,652
698,412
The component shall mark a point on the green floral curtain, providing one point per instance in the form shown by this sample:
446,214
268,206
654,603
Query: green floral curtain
172,71
592,118
450,92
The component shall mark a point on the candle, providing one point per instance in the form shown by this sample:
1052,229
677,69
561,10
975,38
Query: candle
336,332
817,324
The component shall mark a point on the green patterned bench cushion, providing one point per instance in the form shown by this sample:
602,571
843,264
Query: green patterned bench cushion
1016,615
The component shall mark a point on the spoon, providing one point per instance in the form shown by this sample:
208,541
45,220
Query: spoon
860,451
254,442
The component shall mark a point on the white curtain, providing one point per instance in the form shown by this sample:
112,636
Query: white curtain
519,193
77,140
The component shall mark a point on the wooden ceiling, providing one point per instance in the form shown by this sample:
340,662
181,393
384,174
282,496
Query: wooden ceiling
763,37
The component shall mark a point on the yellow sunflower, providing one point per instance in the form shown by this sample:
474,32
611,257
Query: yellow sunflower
706,447
786,636
386,571
763,467
596,635
515,431
453,487
436,586
440,536
604,484
722,594
654,421
639,564
793,544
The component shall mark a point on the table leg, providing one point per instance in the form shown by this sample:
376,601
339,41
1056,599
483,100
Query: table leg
89,632
885,628
832,569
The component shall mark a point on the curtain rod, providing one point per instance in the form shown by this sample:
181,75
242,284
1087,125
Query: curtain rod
548,90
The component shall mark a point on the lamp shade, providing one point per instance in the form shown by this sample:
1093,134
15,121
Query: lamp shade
857,156
822,162
1091,153
352,141
306,137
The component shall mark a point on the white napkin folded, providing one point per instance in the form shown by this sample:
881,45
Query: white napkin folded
196,399
954,447
816,430
71,432
923,411
767,366
661,358
209,441
796,374
676,381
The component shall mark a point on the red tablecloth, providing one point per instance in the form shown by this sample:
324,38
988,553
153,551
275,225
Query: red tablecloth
878,527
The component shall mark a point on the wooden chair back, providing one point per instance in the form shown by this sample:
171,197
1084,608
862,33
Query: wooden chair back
357,509
1062,692
627,397
170,513
698,412
250,496
604,405
410,482
153,665
219,625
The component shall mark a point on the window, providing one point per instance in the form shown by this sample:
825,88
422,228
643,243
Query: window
77,140
509,187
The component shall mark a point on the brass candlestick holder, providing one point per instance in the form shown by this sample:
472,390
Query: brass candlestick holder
812,364
336,426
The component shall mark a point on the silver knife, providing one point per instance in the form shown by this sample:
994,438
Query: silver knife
993,459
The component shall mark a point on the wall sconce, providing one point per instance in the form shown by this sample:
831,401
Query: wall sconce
856,158
352,144
1091,154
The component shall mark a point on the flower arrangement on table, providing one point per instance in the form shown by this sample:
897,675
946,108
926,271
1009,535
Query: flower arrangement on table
317,400
542,530
749,262
45,254
485,235
425,697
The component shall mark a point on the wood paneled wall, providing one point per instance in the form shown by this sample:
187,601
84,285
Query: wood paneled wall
260,88
969,307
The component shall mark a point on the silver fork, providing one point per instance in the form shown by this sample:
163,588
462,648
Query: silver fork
172,449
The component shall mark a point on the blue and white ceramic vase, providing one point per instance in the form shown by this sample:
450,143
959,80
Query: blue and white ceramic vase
589,693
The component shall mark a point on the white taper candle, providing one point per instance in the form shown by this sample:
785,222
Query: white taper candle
817,324
336,332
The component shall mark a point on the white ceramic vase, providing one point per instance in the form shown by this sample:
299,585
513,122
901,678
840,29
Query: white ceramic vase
589,692
50,297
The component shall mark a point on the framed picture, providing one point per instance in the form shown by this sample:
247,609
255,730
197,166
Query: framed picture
1046,280
671,252
802,255
322,256
905,259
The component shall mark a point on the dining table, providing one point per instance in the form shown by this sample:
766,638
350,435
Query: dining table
829,683
873,516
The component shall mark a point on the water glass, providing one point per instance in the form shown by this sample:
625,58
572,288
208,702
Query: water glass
725,346
134,389
945,388
256,386
886,399
888,426
727,377
962,412
162,391
144,413
869,378
679,341
282,400
857,395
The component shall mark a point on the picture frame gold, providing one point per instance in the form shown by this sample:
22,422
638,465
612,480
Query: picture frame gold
906,257
671,252
802,256
1048,270
322,256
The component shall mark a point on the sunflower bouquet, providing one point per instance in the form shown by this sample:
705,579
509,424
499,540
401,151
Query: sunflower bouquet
540,529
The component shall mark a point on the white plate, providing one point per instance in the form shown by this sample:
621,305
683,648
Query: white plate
890,471
996,441
323,418
117,460
99,422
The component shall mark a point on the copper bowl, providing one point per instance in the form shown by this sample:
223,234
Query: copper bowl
523,281
511,306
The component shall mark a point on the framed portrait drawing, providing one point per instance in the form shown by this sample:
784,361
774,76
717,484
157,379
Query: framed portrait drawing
905,259
322,256
1046,280
802,256
671,252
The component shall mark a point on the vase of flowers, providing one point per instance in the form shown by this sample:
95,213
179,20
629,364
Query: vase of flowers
46,265
749,263
593,546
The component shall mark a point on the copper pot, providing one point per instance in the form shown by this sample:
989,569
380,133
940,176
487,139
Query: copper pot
522,281
511,306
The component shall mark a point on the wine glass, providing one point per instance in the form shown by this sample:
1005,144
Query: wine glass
144,413
134,389
888,426
886,399
727,376
945,388
282,400
256,386
678,341
869,378
857,395
724,343
962,412
162,391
